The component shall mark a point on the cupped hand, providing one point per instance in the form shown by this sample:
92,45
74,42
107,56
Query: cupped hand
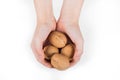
73,31
41,33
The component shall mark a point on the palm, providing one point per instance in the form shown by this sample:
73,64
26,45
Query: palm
39,38
75,35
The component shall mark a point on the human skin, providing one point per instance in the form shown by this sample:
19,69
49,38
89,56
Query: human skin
68,23
45,24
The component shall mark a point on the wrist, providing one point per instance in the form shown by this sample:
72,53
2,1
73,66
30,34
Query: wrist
51,22
68,21
46,19
62,23
44,10
70,11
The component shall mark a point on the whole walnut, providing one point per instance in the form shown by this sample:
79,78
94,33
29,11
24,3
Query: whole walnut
68,51
60,61
49,51
58,39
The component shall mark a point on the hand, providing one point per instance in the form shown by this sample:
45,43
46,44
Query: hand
41,33
73,31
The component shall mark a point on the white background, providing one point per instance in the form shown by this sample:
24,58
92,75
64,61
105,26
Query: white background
100,25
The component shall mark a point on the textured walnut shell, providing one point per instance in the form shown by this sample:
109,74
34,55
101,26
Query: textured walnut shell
46,57
68,51
60,61
58,39
49,51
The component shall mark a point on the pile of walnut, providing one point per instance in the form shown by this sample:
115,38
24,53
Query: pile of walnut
60,51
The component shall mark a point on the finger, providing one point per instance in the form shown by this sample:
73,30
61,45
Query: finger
34,50
44,62
77,55
76,58
40,57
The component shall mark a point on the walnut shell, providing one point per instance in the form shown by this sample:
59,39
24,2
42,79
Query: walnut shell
46,57
60,61
49,51
58,39
68,51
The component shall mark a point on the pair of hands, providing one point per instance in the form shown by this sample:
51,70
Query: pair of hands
43,30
